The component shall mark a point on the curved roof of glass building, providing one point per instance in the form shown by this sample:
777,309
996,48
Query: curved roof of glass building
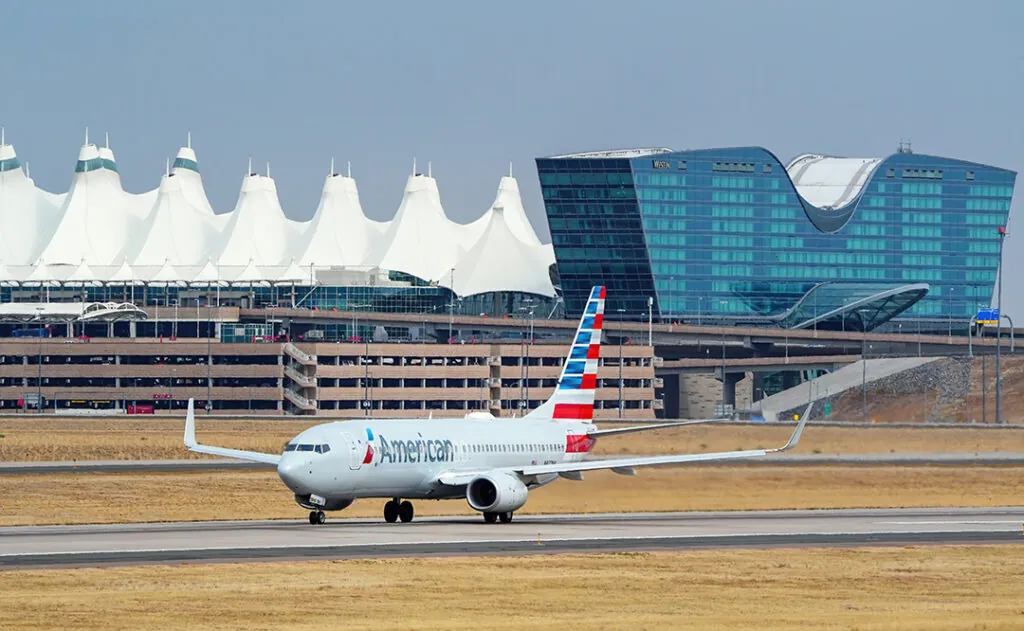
864,306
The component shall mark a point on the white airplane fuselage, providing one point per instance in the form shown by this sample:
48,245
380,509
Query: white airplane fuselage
403,458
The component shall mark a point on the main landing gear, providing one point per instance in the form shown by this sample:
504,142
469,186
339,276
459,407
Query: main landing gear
396,509
317,517
505,517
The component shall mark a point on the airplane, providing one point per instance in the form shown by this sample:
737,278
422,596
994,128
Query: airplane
491,462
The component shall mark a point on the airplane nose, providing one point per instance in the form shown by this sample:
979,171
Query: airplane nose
292,473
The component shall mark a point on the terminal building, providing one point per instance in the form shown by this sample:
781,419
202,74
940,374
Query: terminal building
736,236
111,299
139,301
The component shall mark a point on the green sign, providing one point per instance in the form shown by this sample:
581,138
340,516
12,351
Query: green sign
828,408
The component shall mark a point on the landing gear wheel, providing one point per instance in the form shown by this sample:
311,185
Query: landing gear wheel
391,511
490,518
317,517
505,517
405,511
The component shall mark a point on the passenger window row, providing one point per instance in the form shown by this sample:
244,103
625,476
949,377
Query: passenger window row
511,448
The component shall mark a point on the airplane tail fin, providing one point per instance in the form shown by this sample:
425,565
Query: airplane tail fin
573,399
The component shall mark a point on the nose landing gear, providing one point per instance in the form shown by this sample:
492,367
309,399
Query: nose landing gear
317,517
396,509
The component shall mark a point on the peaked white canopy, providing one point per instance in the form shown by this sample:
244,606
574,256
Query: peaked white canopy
124,275
28,215
98,219
209,276
250,275
488,267
167,275
177,231
82,276
339,234
421,240
258,229
509,198
294,275
42,275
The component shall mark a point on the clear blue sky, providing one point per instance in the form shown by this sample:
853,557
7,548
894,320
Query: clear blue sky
473,85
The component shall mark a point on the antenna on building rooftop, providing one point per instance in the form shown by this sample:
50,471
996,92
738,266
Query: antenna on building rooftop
188,142
332,173
430,172
268,168
904,146
350,168
510,168
3,136
414,166
86,134
249,171
28,173
106,138
167,167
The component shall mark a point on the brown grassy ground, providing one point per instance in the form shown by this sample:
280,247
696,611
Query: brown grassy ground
931,588
124,497
29,439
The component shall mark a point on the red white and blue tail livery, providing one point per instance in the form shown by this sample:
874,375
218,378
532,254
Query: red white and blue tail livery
573,399
490,462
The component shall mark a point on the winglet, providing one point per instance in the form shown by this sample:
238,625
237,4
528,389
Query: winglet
795,438
190,425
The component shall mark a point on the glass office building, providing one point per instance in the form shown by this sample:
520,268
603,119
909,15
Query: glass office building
736,235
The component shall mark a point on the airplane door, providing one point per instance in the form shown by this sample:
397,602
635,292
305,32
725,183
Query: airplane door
357,452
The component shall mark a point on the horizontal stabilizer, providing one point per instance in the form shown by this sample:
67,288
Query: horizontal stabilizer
615,431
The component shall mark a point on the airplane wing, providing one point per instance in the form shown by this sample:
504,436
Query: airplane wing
190,442
598,433
626,465
646,461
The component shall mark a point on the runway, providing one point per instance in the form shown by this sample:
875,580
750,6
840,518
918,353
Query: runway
50,546
1007,458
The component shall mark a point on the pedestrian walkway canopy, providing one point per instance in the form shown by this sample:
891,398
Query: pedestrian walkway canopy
43,312
863,306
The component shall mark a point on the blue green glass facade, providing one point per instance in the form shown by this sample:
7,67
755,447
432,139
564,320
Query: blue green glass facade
723,233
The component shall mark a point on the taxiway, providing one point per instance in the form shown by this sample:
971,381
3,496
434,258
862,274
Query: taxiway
28,546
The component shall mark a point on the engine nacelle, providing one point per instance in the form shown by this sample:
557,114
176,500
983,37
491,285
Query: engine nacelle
496,493
332,503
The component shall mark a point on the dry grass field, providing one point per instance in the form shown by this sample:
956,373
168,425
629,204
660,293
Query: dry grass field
31,439
932,588
134,497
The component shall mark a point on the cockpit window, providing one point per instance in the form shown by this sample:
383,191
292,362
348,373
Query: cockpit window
325,448
305,447
290,447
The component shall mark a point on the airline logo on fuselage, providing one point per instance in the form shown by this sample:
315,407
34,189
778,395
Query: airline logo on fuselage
413,451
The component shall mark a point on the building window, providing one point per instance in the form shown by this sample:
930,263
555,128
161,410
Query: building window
681,165
970,175
766,168
890,173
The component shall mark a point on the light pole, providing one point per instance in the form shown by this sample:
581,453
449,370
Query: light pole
620,311
39,363
650,320
999,326
864,374
723,303
451,309
950,311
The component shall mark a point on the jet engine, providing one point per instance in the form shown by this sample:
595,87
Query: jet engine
333,503
496,493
